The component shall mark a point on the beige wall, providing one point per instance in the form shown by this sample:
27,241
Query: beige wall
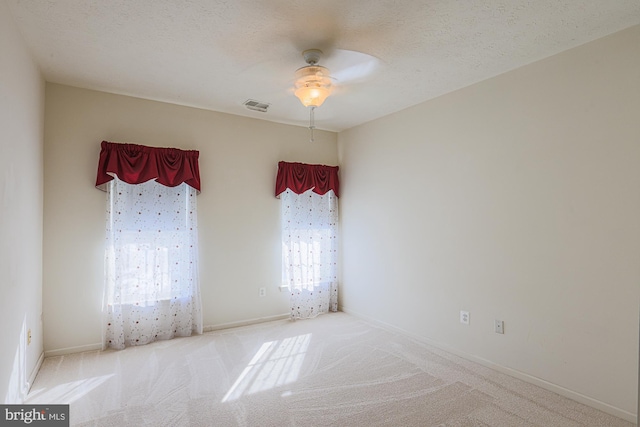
238,215
21,136
517,198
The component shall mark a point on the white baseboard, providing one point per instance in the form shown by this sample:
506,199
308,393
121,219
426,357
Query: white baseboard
70,350
34,372
573,395
211,328
98,346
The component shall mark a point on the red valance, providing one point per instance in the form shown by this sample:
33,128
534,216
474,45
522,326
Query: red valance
300,177
135,164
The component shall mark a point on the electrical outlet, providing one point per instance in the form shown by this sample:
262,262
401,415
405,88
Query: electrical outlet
464,317
498,326
263,292
29,337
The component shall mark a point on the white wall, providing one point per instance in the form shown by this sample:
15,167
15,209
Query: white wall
21,136
238,215
517,198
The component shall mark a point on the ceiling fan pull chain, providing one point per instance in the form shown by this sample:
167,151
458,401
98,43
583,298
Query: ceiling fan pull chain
312,122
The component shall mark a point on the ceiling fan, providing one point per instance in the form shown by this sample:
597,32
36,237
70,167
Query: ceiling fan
314,83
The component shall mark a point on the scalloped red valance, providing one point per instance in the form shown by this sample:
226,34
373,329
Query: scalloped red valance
300,177
136,164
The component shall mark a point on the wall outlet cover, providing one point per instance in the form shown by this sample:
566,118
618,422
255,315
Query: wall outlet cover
464,317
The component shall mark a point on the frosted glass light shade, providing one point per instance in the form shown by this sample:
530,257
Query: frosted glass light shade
313,85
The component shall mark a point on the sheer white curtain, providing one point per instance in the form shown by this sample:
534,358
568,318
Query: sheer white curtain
151,264
310,251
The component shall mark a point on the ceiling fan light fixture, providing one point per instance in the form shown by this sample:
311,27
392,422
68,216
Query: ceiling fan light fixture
313,85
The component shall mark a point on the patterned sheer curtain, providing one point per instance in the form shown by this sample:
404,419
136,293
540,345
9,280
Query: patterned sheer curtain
309,200
310,248
151,255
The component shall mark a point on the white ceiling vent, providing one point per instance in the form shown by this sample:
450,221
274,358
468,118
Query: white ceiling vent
254,105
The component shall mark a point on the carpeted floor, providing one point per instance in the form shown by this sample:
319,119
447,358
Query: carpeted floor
335,370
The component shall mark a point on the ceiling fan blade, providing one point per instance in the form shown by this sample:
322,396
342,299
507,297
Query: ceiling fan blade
350,66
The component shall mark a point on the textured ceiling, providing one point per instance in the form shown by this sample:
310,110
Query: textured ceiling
215,54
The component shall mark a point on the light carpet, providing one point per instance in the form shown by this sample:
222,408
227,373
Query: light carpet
335,370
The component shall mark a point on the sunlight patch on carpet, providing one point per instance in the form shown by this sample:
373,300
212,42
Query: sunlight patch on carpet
68,392
276,363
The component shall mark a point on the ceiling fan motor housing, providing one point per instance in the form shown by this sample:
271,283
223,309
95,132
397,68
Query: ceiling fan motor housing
312,56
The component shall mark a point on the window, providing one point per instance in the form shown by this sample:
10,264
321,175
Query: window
309,220
151,257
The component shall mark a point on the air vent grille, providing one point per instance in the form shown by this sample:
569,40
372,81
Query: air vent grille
254,105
